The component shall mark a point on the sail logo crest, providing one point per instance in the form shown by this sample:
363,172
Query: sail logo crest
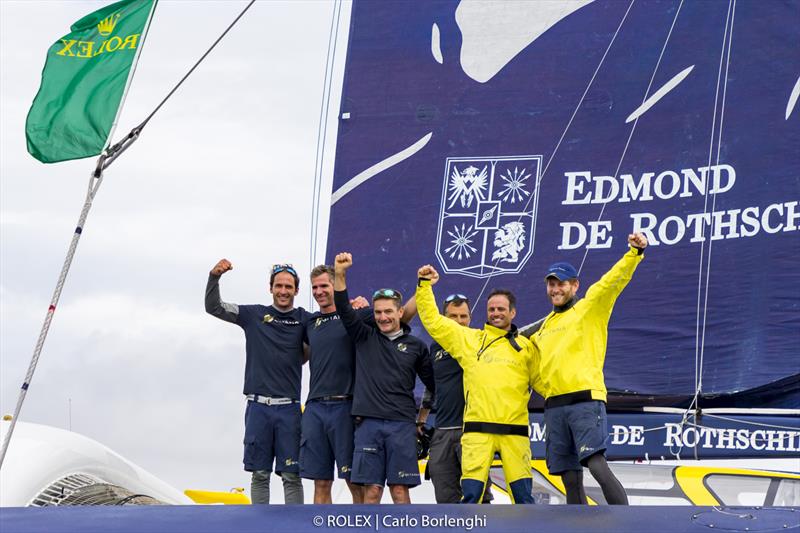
89,49
487,217
106,26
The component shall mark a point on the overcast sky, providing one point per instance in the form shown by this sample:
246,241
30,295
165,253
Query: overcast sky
225,169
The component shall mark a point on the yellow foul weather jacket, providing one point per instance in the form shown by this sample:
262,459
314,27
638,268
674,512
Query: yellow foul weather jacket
572,344
496,374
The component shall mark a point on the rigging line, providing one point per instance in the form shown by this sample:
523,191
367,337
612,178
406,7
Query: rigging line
787,435
714,199
112,152
636,121
705,210
95,180
742,421
317,178
330,60
563,134
224,33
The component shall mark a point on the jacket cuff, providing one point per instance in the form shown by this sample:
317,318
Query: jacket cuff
423,281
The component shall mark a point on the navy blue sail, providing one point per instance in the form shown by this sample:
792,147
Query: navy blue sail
493,139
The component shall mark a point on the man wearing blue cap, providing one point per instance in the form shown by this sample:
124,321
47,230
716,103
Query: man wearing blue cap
572,346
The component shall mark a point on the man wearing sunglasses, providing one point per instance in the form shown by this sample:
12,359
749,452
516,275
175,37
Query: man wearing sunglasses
388,359
327,436
497,364
274,357
572,343
444,459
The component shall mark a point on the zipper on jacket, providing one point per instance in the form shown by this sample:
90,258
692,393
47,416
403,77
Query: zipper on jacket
485,347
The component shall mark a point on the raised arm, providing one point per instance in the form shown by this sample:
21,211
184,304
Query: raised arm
410,309
424,368
355,327
214,304
606,291
448,333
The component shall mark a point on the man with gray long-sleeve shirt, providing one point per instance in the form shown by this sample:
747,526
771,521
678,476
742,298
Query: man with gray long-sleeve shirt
274,351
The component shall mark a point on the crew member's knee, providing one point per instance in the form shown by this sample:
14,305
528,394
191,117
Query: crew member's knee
292,488
572,479
261,476
597,464
290,478
472,490
357,491
373,493
521,490
323,484
399,493
259,486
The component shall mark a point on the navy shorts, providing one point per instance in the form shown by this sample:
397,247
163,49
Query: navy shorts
327,438
385,452
272,433
574,433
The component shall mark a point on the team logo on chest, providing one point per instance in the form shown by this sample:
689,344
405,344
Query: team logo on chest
402,347
487,218
269,319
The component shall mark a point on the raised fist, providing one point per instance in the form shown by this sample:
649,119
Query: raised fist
637,240
428,272
359,302
343,261
221,267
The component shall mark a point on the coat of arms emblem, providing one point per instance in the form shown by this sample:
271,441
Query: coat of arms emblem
487,219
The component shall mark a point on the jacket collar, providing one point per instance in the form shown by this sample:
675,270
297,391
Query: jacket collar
488,328
511,335
567,306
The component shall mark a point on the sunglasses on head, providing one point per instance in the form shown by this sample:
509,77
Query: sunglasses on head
387,293
284,268
456,296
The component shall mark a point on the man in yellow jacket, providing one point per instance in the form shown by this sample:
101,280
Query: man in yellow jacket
571,346
498,366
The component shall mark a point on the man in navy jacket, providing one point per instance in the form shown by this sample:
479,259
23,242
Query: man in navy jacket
388,359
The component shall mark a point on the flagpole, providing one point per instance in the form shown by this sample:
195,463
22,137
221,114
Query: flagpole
95,181
111,153
131,73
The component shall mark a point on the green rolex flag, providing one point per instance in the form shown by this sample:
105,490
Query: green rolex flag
84,79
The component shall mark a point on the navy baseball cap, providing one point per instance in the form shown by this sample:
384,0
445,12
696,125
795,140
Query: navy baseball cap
562,271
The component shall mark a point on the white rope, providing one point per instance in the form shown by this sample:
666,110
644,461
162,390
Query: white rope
749,422
724,430
558,144
94,185
700,338
109,156
322,132
714,199
636,121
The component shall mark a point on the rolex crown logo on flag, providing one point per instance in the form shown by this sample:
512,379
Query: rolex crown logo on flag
84,79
